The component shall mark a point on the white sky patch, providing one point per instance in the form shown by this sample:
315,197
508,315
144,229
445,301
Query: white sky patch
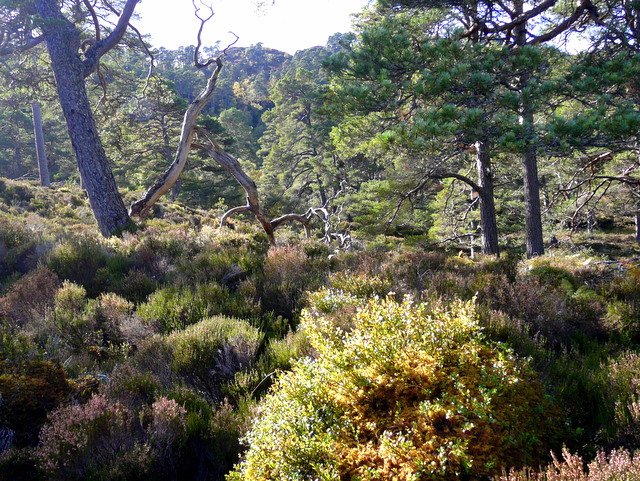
288,25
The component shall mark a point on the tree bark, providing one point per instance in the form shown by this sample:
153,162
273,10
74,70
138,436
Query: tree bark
487,202
41,154
63,44
533,213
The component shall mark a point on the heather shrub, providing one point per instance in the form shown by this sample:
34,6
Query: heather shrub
154,356
30,298
132,387
360,285
203,356
30,390
21,248
173,308
622,320
210,352
410,269
225,257
288,273
213,431
625,286
578,379
545,310
82,441
167,430
16,346
622,377
449,285
619,465
555,277
407,391
280,353
102,329
135,286
570,270
71,321
19,465
587,308
185,257
78,261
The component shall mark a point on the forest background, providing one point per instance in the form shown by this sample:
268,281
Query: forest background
478,158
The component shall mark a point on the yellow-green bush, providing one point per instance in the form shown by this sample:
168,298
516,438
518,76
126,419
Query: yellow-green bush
174,308
204,355
406,391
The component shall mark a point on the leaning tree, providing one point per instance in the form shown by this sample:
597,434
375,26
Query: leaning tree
73,57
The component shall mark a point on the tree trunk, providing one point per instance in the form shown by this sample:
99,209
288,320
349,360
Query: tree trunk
43,166
533,213
487,202
638,226
533,216
63,44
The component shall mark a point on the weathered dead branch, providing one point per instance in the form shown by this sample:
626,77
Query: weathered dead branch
142,207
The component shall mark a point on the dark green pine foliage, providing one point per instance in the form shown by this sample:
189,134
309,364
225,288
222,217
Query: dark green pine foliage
603,128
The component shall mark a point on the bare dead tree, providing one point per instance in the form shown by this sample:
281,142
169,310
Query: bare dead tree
589,186
232,165
192,136
142,207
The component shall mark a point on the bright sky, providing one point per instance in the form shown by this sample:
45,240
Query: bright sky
288,25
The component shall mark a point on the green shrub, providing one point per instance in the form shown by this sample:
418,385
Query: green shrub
360,285
174,308
407,392
70,318
78,261
203,356
622,319
210,352
15,346
102,328
555,277
135,286
281,353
